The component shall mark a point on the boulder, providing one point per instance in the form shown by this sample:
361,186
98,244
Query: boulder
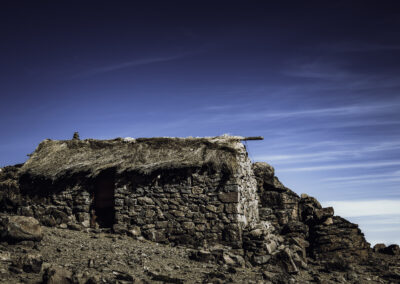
58,216
336,264
300,245
391,250
322,214
229,197
285,259
201,255
57,275
119,228
295,228
379,247
135,232
20,228
328,221
30,263
120,275
260,259
156,276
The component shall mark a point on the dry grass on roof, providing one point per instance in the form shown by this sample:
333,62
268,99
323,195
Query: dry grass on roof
57,159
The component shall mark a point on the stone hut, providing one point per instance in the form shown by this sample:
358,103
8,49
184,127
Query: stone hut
194,191
198,192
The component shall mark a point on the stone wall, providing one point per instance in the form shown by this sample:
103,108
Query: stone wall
190,209
247,186
196,207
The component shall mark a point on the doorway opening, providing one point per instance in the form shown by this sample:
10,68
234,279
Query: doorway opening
103,211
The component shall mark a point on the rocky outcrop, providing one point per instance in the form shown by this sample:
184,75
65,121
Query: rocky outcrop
331,236
278,204
10,198
303,221
338,238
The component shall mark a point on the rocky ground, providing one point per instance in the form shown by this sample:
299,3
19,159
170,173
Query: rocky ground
108,258
98,256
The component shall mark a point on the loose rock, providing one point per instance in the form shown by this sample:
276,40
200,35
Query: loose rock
20,228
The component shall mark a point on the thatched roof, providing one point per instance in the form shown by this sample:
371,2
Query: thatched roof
57,159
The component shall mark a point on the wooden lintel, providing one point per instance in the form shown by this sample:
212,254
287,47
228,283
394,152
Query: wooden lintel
253,138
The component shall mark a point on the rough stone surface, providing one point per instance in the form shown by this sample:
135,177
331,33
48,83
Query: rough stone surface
317,231
57,275
379,247
20,228
240,222
278,204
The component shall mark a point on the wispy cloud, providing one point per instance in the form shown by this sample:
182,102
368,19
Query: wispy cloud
363,177
382,220
336,111
382,180
327,74
358,208
298,145
133,63
318,69
225,107
315,156
343,166
386,229
317,112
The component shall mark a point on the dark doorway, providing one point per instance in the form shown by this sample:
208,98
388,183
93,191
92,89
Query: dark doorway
103,211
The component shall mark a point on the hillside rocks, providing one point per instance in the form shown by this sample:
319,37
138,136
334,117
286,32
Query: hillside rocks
331,236
339,239
83,257
96,256
303,221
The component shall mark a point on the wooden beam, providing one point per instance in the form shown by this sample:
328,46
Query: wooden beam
253,138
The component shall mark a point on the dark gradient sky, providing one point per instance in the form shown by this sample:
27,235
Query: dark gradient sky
318,79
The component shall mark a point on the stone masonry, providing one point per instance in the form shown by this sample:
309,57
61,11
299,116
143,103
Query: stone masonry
192,206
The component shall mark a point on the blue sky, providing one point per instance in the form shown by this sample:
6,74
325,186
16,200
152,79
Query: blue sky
319,81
